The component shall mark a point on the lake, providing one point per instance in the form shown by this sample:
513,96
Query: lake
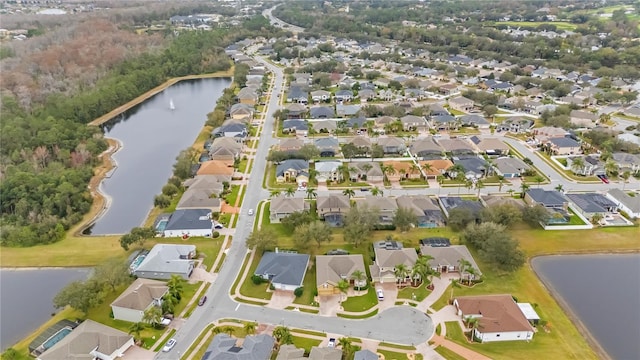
603,291
152,136
27,296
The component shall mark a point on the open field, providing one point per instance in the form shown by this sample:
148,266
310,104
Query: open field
560,25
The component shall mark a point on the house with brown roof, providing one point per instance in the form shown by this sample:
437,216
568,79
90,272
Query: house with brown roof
392,144
461,103
283,206
225,148
447,259
331,269
426,148
384,267
385,206
290,144
216,167
500,317
438,167
137,298
489,146
402,170
368,171
333,208
456,146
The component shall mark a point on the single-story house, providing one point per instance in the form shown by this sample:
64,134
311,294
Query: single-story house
165,260
322,112
448,203
456,146
195,199
392,144
296,126
232,129
189,222
333,208
627,162
474,120
500,317
384,267
347,110
426,148
509,167
385,206
369,171
141,295
516,124
224,148
461,103
446,259
490,200
327,146
331,269
297,95
241,111
474,167
290,352
343,95
442,122
214,184
216,167
365,355
427,212
320,95
583,118
361,142
590,204
436,167
547,132
283,206
325,353
564,146
412,122
253,347
90,340
438,110
402,170
290,144
490,146
547,198
328,171
630,205
324,126
285,270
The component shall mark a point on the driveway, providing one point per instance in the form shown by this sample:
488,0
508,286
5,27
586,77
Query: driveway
281,299
201,274
329,305
138,353
390,295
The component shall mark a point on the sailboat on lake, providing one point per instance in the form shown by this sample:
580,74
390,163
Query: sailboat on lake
171,105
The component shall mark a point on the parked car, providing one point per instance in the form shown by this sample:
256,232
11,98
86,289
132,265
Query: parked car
380,294
165,321
332,342
603,178
250,212
169,345
202,300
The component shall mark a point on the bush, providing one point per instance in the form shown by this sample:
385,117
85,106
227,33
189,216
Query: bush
257,280
298,291
272,287
161,201
315,292
215,234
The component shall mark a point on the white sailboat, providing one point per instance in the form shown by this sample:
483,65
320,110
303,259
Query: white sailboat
171,106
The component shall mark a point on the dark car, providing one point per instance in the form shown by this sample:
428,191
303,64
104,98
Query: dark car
603,178
202,300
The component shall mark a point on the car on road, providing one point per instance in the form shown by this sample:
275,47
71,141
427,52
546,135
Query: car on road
603,178
250,212
380,294
332,343
165,321
202,300
169,345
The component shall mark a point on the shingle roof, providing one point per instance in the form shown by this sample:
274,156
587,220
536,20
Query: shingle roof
564,142
633,203
508,165
547,197
333,268
140,294
190,219
591,202
283,268
295,164
290,352
333,202
325,353
499,313
168,258
391,258
197,198
449,255
84,339
254,347
365,355
287,205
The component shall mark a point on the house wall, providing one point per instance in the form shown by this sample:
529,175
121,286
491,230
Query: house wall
190,232
160,275
276,218
119,352
328,289
504,336
120,313
623,207
286,287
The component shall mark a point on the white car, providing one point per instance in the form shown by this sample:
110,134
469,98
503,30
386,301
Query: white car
380,294
250,212
169,345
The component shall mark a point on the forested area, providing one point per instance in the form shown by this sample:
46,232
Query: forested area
48,152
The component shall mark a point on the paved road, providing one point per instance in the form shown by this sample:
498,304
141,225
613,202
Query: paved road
279,23
404,325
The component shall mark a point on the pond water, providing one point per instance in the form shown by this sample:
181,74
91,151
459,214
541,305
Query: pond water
603,291
152,135
27,299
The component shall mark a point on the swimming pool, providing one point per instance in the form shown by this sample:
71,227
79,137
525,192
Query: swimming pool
137,262
162,224
56,338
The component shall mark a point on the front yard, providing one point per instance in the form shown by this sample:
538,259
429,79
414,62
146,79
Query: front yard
309,288
420,292
248,288
363,302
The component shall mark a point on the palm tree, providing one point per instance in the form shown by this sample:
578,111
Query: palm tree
489,167
250,328
176,286
282,335
349,192
511,191
313,173
275,193
500,182
577,164
625,177
524,187
440,180
455,283
559,188
387,170
538,179
472,323
414,168
343,286
311,193
426,167
471,274
229,329
479,186
468,184
135,329
347,347
290,191
376,191
358,276
401,272
153,316
169,302
343,170
403,173
463,267
611,167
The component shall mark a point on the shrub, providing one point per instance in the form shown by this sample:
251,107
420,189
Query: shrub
161,201
215,234
272,287
298,291
257,280
315,292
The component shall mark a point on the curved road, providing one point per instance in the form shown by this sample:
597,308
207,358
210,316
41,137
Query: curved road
404,325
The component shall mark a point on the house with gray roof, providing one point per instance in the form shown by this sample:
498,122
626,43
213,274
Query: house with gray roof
516,124
627,162
343,95
165,260
385,206
333,208
412,123
296,94
590,204
331,269
428,213
474,120
474,167
490,146
328,171
456,146
446,259
365,355
322,112
90,340
231,129
426,148
197,199
320,95
443,122
283,206
448,203
224,148
347,110
293,170
284,270
509,167
325,353
290,352
327,146
297,126
392,145
629,204
384,267
254,347
461,103
141,295
554,201
296,111
189,221
369,171
564,146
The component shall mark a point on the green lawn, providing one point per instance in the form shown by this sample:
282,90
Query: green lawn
397,346
560,25
448,354
367,315
248,288
420,293
188,292
309,286
415,182
305,343
242,166
232,197
205,333
361,303
392,355
211,251
160,345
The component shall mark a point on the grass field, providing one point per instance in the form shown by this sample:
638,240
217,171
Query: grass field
560,25
420,292
392,355
309,287
448,354
248,288
361,303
